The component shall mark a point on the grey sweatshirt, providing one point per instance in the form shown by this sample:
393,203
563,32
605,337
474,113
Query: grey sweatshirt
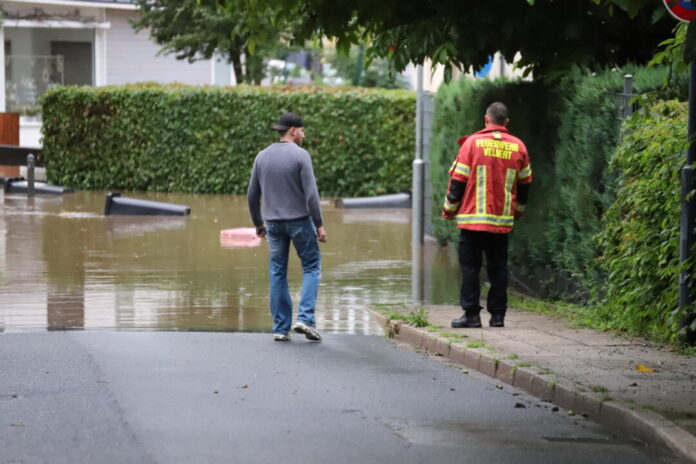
284,177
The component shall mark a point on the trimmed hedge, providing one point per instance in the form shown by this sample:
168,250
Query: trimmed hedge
639,242
459,110
204,139
571,130
588,135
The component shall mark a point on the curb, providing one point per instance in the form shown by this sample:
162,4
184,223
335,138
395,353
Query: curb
641,424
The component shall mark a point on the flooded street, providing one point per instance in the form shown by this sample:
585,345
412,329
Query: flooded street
64,265
104,360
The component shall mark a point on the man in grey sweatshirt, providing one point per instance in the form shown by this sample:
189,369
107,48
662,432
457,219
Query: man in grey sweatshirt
283,176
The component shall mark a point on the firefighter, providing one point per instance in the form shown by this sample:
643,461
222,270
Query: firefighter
488,191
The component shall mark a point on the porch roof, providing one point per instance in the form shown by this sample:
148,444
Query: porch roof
114,4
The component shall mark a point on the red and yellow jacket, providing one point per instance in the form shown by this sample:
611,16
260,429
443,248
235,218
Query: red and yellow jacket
491,163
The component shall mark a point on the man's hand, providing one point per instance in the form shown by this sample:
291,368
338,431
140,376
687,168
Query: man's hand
519,211
448,214
261,231
321,234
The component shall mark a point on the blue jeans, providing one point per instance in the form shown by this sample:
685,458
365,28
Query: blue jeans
303,235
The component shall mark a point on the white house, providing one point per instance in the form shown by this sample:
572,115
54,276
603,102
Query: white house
84,42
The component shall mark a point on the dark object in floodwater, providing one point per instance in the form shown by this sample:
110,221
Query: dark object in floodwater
396,200
116,204
20,185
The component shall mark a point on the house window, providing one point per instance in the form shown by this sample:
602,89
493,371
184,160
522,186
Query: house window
27,77
77,61
37,59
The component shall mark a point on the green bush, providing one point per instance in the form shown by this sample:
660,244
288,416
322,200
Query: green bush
587,138
639,241
571,129
204,140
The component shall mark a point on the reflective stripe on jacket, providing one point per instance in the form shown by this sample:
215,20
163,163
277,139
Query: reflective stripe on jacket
492,162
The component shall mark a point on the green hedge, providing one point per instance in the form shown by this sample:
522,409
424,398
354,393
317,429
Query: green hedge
571,130
459,110
204,140
639,242
587,138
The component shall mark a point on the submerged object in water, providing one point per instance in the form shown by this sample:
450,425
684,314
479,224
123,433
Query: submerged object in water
243,237
396,200
116,204
20,185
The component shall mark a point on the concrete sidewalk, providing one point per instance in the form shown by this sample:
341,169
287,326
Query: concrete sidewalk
627,384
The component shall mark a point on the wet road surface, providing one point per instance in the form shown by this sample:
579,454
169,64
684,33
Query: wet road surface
186,397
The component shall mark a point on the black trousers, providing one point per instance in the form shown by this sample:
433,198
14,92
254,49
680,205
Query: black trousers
472,246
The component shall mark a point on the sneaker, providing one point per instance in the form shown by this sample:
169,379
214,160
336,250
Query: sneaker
472,321
281,337
310,332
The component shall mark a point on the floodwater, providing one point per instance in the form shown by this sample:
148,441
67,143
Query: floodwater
64,265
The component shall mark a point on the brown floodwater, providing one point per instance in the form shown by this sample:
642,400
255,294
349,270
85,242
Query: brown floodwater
64,265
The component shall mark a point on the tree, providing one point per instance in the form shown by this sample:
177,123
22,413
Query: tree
193,29
551,35
353,68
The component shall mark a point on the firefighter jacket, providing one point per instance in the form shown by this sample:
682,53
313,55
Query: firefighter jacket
492,163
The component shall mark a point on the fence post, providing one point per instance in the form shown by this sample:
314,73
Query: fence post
628,93
30,175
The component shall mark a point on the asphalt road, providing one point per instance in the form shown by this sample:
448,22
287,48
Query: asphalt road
172,397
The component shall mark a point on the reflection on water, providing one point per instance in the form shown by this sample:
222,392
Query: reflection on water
63,265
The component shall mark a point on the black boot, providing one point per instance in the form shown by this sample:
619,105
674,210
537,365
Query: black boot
497,320
472,321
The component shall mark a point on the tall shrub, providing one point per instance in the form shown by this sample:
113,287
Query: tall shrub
204,140
639,241
587,137
459,110
571,129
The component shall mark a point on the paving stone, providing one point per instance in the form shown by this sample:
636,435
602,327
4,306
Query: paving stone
408,334
488,365
505,372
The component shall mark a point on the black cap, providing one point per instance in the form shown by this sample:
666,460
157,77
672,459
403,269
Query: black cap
286,121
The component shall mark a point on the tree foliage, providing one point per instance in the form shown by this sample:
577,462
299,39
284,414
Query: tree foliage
551,35
194,30
356,70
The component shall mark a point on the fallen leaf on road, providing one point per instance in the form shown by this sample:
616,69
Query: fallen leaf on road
244,386
633,385
520,406
645,369
499,387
